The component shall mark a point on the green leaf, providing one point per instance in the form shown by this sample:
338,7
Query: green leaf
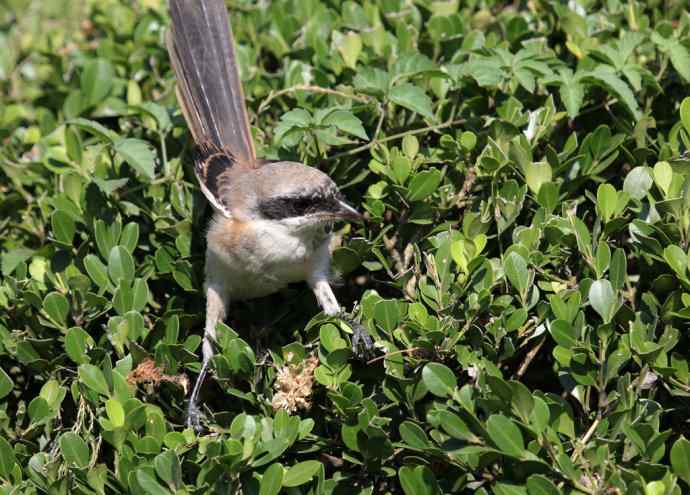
120,264
138,154
149,484
607,199
413,435
300,473
685,113
387,313
64,227
96,80
663,173
423,184
347,122
272,480
418,480
506,435
541,485
515,268
116,413
680,59
92,377
13,258
57,307
638,182
410,146
677,260
6,384
572,94
605,76
94,128
130,237
96,270
350,46
537,174
618,271
168,468
413,98
603,299
76,340
75,450
439,379
7,458
680,459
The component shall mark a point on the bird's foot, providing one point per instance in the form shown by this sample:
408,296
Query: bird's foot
194,415
362,344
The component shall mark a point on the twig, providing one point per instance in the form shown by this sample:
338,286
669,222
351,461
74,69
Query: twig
581,444
312,89
530,357
400,135
395,353
462,198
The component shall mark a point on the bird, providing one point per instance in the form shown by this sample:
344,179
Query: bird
272,221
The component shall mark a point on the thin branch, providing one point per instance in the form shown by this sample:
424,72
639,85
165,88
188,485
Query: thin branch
401,135
530,357
395,353
583,442
311,89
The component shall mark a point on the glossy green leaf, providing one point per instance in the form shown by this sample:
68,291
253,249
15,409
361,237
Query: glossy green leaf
120,264
149,484
603,299
418,480
413,98
138,154
7,458
75,450
300,473
272,480
439,379
64,227
56,307
92,377
506,435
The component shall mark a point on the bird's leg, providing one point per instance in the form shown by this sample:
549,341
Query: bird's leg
361,340
215,313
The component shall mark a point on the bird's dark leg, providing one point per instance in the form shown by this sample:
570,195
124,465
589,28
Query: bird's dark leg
362,344
215,313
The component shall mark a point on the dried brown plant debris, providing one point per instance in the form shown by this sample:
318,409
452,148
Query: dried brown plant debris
148,372
294,384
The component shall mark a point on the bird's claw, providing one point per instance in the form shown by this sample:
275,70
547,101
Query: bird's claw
362,344
194,417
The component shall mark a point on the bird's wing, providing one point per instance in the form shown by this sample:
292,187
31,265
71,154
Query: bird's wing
209,90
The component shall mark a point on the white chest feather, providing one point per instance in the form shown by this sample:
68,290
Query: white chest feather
263,257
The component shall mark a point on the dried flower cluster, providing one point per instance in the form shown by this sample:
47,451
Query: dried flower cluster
148,372
293,384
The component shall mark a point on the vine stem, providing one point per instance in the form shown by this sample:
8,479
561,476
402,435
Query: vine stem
311,89
400,135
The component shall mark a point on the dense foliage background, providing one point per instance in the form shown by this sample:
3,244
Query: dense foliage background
524,269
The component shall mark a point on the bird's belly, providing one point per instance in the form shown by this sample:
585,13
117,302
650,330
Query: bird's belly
263,262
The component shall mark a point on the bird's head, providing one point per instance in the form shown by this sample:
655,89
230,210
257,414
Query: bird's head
299,197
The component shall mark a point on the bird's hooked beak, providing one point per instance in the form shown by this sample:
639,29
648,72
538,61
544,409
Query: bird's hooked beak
348,212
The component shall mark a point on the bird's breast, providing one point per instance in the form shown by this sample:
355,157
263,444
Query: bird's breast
254,259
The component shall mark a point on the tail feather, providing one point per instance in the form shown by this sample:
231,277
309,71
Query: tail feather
209,89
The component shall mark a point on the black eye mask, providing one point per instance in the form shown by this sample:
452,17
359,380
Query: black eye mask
297,206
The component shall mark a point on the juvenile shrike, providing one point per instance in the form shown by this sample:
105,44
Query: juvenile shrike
272,220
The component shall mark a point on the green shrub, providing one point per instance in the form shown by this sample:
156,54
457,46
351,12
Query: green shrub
524,269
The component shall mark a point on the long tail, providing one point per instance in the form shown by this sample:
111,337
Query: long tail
209,90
